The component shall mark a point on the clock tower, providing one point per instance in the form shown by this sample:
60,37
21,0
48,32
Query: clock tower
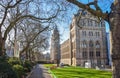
55,46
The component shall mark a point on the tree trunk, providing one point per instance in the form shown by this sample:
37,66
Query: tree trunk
2,44
115,30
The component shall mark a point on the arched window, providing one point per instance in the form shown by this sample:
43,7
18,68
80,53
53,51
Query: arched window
97,44
91,44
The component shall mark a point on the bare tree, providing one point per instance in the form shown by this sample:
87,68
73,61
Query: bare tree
113,18
14,11
31,35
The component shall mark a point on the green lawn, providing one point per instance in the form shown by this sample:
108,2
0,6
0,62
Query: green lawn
77,72
49,65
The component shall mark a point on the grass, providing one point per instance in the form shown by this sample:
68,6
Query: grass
49,65
77,72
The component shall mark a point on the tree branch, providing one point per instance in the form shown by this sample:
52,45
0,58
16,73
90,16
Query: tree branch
28,43
38,33
92,11
34,45
24,33
6,10
95,4
4,17
12,24
12,6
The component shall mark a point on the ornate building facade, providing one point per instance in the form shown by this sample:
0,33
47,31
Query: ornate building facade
87,43
65,52
55,47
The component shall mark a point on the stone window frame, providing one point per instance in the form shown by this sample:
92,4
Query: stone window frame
84,54
91,54
84,44
84,33
97,34
98,54
90,22
82,22
91,44
97,44
96,24
102,23
90,33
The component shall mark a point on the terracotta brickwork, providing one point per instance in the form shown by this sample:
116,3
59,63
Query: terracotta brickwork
87,42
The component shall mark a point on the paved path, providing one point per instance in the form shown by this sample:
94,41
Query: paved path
40,72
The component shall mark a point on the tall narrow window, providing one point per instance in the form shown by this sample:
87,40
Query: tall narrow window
97,34
90,22
96,24
102,23
97,53
97,44
84,54
84,33
90,33
84,44
83,22
93,23
91,44
91,54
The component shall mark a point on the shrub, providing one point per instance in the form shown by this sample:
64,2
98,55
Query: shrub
27,65
19,70
6,71
14,61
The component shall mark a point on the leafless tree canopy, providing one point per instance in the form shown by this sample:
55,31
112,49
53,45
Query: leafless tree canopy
15,13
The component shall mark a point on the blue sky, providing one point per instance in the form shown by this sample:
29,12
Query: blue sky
64,27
